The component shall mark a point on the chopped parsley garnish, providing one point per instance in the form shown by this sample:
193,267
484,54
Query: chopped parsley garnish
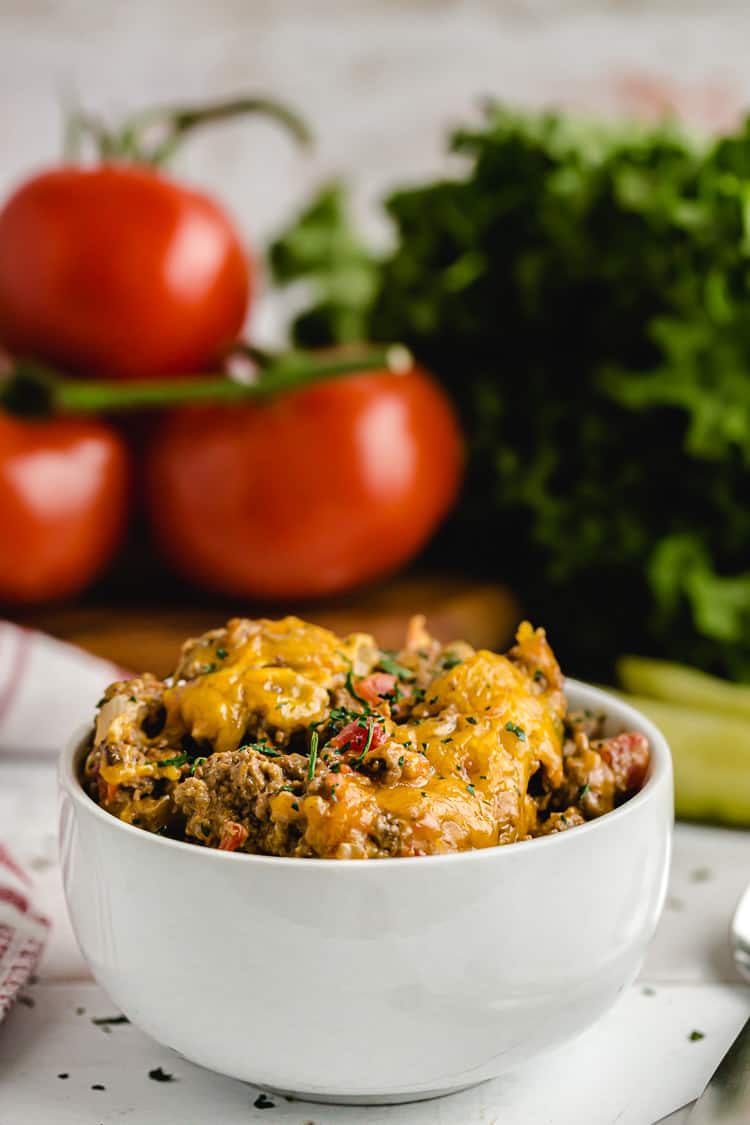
295,806
538,675
519,732
342,716
178,760
395,669
196,763
368,744
208,669
433,700
261,746
334,798
695,1035
401,760
352,690
287,789
471,719
419,694
470,789
222,653
446,740
583,791
313,755
450,661
336,767
132,699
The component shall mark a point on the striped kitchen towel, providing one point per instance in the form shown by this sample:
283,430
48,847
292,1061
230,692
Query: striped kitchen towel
23,931
47,689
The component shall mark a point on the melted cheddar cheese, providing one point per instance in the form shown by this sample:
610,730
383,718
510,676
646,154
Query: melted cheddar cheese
279,736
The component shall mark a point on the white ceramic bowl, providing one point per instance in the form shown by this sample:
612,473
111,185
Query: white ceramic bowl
370,980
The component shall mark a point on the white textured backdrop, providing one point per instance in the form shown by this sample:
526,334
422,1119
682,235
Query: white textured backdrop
379,80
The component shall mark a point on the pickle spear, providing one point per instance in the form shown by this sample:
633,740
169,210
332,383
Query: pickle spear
677,683
711,757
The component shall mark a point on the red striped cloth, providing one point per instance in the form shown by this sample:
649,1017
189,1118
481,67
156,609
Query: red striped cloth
47,689
23,931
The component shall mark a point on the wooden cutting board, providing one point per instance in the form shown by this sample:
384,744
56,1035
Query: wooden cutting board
146,638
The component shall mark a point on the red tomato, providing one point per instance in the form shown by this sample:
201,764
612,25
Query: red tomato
63,500
118,271
233,836
376,687
356,736
314,492
628,755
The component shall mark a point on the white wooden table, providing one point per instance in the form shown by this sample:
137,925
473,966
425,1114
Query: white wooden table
52,1034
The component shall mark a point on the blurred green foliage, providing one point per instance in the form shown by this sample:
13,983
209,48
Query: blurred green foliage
584,295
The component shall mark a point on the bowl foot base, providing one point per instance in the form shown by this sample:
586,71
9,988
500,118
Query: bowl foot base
368,1099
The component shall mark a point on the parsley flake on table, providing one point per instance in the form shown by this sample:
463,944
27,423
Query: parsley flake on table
159,1075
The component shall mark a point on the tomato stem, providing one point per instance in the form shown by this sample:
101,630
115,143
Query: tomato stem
177,121
32,389
166,126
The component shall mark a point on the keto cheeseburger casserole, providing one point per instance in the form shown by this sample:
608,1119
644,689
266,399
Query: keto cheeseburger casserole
280,738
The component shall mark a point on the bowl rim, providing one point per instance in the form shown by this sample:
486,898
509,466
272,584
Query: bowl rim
659,775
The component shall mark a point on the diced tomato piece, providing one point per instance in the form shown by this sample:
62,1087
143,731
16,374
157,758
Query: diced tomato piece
107,791
628,756
354,737
376,687
233,836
